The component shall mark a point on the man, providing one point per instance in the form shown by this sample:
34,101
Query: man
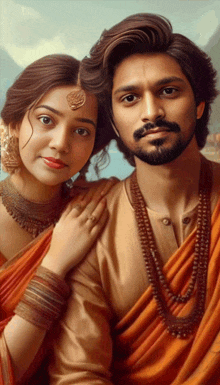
145,306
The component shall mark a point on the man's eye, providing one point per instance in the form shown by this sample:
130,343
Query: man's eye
82,132
169,91
129,98
45,120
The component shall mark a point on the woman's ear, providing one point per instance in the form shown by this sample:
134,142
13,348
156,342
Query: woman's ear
200,109
14,130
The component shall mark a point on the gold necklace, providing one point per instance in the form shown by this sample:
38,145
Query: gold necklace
34,217
179,327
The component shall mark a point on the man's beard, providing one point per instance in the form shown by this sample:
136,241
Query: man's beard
161,155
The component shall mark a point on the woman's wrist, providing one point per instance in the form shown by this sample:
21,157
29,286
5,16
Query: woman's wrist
49,263
43,299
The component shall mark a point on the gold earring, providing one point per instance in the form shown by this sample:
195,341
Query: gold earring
10,155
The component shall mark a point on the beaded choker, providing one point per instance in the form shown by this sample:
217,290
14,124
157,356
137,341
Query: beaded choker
31,216
179,327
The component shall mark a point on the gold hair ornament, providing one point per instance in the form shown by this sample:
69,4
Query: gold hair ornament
76,98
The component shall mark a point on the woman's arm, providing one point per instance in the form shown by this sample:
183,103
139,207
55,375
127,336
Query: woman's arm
72,238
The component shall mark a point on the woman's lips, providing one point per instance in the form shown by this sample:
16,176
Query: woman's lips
54,163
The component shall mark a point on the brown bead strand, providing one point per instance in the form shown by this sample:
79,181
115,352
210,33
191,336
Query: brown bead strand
178,326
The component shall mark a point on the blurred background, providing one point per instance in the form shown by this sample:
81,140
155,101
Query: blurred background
31,29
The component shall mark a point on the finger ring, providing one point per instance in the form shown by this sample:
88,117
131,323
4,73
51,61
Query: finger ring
78,207
92,218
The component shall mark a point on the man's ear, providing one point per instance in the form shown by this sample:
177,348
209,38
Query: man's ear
200,109
115,129
113,124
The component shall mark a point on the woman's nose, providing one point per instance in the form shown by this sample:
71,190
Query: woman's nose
60,140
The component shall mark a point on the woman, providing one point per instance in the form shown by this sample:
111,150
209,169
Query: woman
51,127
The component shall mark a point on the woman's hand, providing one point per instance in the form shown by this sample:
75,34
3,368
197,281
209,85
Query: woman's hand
77,230
81,186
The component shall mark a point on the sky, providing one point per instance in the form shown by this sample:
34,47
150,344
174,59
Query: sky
31,29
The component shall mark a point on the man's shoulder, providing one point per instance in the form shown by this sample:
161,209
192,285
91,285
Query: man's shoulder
216,176
216,166
117,192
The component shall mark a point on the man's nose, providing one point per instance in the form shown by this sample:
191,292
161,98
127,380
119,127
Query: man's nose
152,108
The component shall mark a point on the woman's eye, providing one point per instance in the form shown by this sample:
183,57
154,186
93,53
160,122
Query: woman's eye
82,132
129,98
45,120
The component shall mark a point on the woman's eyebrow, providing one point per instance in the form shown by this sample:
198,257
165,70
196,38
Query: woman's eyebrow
50,109
85,120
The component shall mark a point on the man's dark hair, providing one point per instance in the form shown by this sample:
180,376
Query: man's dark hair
149,33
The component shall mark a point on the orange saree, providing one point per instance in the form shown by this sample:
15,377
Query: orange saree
14,278
145,353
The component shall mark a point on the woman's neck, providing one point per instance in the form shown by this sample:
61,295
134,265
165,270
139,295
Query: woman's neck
33,190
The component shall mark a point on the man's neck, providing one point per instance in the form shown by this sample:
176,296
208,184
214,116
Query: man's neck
171,189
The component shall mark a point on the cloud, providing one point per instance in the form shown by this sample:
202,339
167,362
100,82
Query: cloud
206,27
17,22
23,56
45,26
23,31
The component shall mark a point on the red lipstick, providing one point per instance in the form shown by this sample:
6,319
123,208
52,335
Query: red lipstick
54,163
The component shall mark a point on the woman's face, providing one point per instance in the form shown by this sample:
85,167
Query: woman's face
55,140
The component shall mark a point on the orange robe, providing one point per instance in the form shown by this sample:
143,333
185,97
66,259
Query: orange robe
14,278
145,353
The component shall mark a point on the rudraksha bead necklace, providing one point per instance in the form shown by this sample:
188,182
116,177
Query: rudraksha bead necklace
34,217
179,327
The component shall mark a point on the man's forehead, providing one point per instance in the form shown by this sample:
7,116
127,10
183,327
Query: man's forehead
158,67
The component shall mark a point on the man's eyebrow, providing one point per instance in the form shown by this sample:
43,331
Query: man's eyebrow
169,79
50,109
85,120
161,82
126,89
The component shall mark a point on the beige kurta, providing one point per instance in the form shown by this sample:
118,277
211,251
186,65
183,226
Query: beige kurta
106,286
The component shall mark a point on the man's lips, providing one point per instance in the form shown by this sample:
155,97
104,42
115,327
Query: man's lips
155,131
54,163
160,126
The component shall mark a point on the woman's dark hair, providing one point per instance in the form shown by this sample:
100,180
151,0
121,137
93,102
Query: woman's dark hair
149,33
36,80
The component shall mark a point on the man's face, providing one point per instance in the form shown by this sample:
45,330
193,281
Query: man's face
154,107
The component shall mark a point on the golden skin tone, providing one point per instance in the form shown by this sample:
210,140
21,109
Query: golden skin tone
146,88
53,129
151,87
67,135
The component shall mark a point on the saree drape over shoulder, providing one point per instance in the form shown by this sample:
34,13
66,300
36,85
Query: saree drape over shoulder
147,353
14,278
111,333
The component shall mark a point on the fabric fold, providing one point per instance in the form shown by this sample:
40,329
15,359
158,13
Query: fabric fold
147,353
14,278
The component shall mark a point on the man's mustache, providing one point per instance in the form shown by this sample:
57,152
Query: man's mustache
142,131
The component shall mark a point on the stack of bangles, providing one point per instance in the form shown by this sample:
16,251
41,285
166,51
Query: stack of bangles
43,299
